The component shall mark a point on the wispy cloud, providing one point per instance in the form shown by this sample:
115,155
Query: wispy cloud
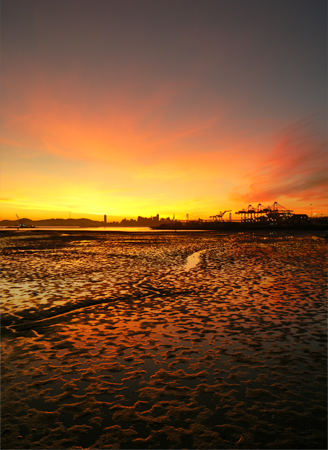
119,126
296,168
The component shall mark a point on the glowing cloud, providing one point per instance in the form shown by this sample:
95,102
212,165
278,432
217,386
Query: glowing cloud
296,169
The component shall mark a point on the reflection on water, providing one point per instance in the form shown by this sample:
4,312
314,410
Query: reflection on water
117,229
192,260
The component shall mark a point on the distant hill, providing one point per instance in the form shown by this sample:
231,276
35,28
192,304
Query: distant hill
140,222
54,222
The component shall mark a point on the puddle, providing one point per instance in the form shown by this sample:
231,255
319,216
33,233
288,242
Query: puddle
193,260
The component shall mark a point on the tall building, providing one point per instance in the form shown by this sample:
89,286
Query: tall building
105,219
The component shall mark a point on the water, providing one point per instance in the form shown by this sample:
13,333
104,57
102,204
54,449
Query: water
193,260
117,229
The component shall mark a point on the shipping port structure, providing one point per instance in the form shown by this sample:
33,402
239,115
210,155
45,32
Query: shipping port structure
270,214
251,218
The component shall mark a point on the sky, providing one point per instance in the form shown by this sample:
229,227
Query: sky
148,107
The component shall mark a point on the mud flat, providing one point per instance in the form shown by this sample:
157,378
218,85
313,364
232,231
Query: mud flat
114,341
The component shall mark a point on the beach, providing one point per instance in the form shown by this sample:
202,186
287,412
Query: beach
172,340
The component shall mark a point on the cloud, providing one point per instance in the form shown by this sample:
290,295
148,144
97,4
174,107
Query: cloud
125,123
296,168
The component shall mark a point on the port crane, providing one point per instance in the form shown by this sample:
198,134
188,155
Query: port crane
19,221
219,216
274,212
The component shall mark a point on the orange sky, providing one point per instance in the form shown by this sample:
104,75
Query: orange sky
151,107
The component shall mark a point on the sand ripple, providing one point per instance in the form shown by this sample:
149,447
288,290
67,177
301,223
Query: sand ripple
110,343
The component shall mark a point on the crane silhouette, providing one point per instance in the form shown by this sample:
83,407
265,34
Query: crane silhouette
219,216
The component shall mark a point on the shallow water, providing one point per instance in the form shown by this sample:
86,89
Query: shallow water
192,260
101,229
112,343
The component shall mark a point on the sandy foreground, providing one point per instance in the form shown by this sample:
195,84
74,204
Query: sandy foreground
113,341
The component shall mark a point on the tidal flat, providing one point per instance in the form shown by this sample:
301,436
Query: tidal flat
117,340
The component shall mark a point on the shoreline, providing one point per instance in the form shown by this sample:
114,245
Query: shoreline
321,232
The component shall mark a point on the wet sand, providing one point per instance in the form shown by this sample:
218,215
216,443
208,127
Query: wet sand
114,341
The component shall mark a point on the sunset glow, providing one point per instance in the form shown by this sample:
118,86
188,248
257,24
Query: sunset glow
144,108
